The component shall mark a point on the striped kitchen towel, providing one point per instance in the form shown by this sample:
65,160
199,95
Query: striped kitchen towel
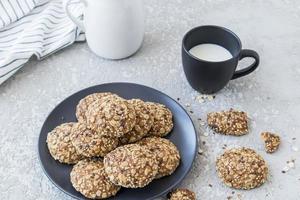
34,28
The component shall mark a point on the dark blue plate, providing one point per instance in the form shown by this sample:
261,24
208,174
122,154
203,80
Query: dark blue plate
183,136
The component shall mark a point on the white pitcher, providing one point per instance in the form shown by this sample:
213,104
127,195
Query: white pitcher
114,28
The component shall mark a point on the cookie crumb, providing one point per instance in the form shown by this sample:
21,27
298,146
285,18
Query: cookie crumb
272,141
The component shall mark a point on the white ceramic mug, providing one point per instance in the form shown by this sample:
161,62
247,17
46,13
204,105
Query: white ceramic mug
114,28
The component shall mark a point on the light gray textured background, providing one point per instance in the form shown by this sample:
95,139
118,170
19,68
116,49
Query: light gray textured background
271,95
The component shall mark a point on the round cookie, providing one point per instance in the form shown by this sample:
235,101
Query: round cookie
144,122
60,145
131,166
84,103
242,168
89,178
166,152
182,194
111,116
163,122
91,144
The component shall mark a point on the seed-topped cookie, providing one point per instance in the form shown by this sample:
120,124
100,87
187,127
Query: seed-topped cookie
272,141
181,194
166,152
230,122
242,168
84,103
131,166
163,122
89,178
90,143
144,122
111,116
60,145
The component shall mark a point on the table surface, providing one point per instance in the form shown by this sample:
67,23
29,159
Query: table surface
271,95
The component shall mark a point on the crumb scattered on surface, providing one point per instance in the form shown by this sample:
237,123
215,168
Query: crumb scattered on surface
272,141
290,164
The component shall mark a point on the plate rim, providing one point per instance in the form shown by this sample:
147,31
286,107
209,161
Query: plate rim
110,83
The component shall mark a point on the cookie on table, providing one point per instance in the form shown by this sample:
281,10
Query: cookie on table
181,194
144,122
230,122
90,143
84,103
242,168
131,166
166,152
111,116
163,122
272,141
89,178
60,145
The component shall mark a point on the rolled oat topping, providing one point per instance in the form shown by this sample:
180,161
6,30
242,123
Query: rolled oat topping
89,178
111,117
272,141
60,145
166,152
144,122
90,143
242,168
163,122
230,122
131,166
182,194
84,103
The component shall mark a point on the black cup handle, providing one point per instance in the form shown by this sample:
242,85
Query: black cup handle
243,72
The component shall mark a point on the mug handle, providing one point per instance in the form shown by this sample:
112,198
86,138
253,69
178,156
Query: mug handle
243,72
76,21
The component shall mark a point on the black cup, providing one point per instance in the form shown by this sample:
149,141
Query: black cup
207,76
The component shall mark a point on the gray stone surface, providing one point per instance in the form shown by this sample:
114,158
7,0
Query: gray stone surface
271,95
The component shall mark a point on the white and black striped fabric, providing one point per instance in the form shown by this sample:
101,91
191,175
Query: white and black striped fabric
34,27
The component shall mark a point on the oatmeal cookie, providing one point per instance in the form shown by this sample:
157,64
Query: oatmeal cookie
60,145
89,178
272,141
181,194
163,122
111,117
166,152
230,122
144,122
131,166
84,103
91,144
242,168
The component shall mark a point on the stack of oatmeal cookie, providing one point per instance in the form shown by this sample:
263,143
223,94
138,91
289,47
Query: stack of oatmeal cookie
115,143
